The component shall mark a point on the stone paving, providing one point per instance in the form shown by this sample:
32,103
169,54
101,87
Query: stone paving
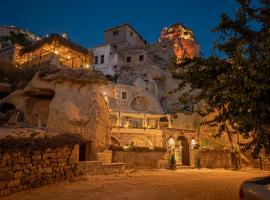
200,184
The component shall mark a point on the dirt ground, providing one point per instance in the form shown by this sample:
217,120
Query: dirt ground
200,184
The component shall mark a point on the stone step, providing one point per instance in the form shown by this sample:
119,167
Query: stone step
183,167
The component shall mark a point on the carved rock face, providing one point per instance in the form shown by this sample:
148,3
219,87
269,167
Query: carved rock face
182,38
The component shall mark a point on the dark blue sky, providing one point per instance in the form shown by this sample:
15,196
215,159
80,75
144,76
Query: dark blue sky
85,21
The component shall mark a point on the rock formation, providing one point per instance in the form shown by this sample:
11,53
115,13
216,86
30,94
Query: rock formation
182,38
66,101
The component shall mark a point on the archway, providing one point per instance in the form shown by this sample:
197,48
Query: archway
182,143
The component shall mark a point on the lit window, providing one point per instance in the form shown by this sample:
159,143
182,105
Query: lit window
124,95
101,59
115,33
96,59
129,59
141,57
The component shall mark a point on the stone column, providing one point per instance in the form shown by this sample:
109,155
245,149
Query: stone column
169,117
144,124
118,119
158,123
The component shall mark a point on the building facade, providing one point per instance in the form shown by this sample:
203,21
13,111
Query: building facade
138,96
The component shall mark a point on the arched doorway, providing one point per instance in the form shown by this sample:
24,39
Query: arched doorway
182,148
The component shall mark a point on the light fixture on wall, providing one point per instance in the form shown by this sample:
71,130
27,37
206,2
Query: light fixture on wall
194,144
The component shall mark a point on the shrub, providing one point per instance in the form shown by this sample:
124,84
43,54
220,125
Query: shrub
173,162
40,144
137,149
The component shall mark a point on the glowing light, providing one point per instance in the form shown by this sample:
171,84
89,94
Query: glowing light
127,124
56,52
193,143
68,56
87,66
125,147
104,93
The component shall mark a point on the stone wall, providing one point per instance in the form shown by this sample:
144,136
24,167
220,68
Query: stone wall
98,168
21,170
105,157
218,159
142,160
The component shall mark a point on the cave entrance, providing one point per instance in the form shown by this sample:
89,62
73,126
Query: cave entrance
85,151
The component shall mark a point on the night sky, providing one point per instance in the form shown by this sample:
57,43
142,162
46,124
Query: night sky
85,21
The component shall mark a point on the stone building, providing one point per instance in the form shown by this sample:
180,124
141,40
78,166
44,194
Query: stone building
142,110
134,108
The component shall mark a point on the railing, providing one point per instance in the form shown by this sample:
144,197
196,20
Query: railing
135,130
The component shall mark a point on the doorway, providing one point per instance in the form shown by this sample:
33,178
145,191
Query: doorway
85,151
183,145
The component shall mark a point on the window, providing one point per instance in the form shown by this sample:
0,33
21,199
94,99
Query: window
101,59
115,33
141,57
96,59
129,59
115,66
124,95
131,34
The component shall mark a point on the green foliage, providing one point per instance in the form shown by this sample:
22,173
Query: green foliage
173,162
198,162
236,85
39,144
137,149
16,38
18,77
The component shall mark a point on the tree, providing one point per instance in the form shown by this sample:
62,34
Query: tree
19,38
235,82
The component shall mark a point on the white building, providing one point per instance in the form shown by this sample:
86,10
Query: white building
108,57
105,59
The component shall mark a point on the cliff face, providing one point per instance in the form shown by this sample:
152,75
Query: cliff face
183,40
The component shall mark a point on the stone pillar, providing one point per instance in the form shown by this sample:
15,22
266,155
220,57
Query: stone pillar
169,117
118,119
158,123
144,123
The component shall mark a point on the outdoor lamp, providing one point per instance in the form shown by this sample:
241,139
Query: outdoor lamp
194,143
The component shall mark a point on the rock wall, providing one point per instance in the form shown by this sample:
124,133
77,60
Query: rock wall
22,170
105,157
98,168
66,101
142,160
219,159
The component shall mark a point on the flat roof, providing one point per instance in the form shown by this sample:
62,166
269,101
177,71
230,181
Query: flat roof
126,24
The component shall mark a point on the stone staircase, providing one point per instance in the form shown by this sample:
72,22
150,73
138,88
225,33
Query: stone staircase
178,159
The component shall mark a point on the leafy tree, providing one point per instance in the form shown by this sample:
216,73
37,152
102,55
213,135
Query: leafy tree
235,82
19,38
